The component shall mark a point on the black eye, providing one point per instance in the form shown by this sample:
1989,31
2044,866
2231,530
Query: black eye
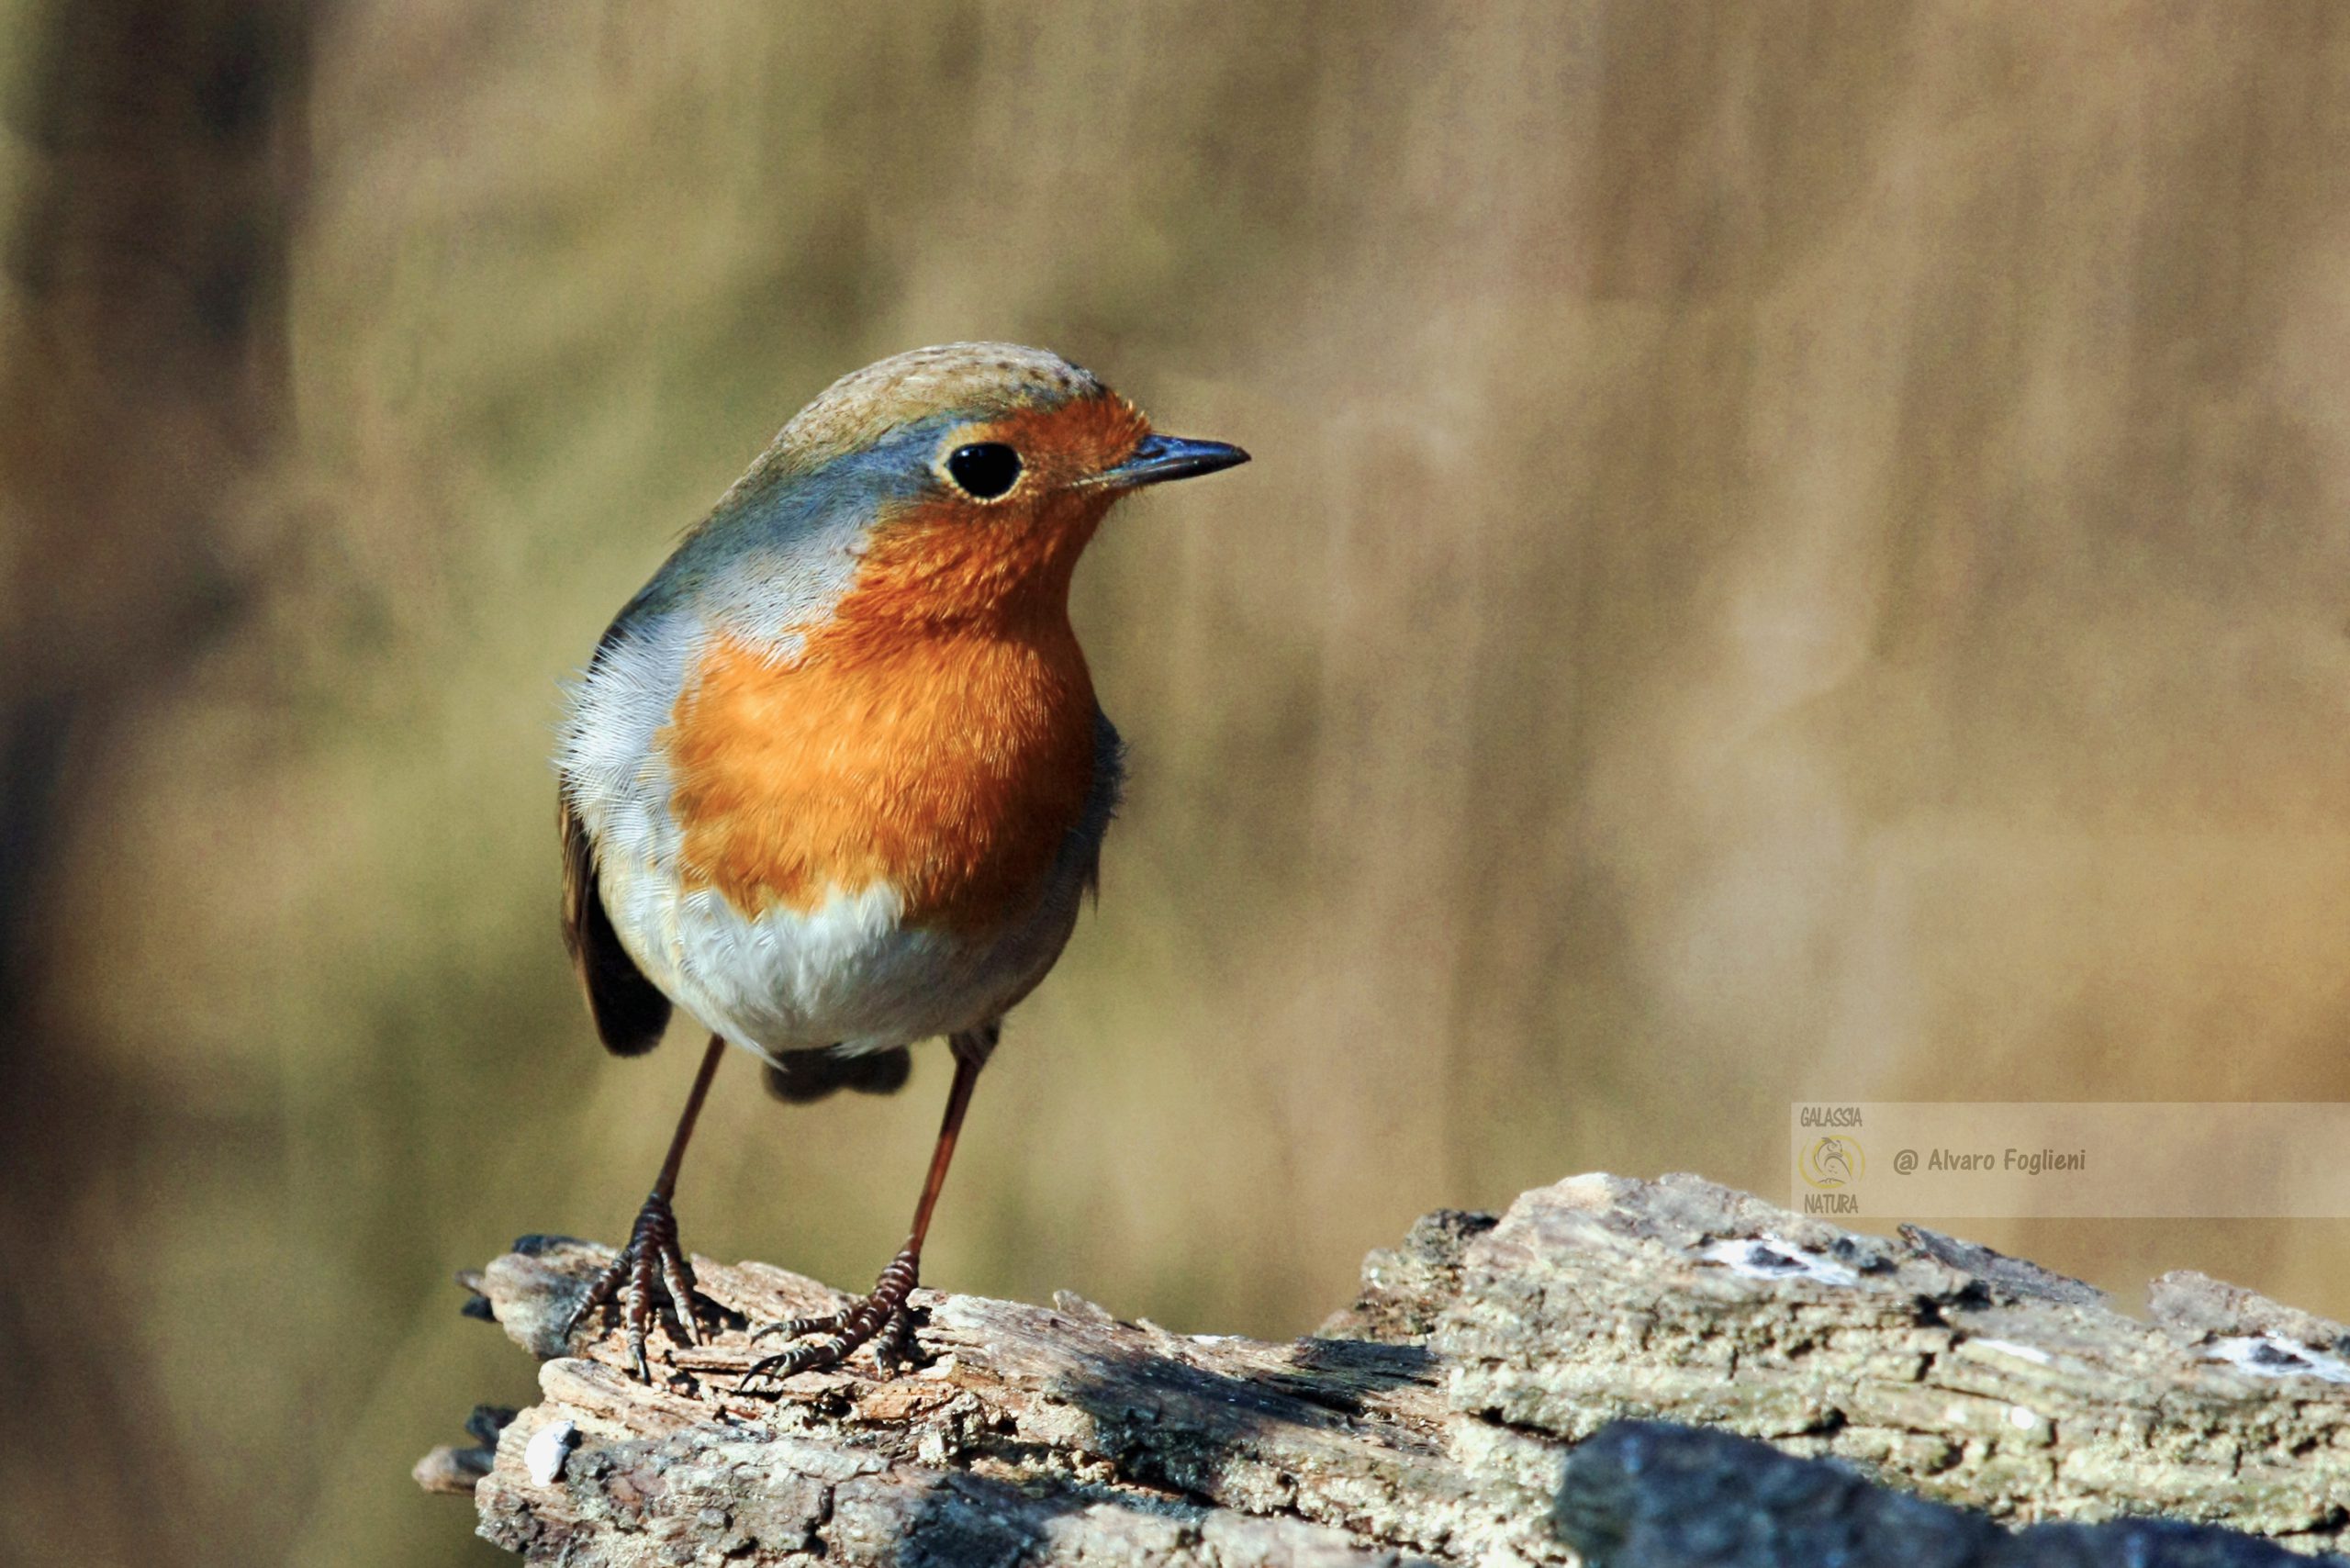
986,469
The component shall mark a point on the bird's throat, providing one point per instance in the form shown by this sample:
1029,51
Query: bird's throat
944,567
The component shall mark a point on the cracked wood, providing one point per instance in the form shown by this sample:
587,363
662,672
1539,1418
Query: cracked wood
1498,1393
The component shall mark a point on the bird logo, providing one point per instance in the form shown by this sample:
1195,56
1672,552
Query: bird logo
1833,1162
835,780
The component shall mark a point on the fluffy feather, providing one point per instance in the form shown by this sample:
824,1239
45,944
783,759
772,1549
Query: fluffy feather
837,779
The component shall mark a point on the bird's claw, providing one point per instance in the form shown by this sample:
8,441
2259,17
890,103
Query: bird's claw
650,1267
881,1319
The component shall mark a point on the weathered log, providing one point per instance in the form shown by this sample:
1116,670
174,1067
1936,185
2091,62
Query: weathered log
1586,1378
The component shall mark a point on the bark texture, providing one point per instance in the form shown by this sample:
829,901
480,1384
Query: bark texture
1615,1372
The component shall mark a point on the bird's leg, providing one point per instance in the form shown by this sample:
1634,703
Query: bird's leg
881,1318
652,1260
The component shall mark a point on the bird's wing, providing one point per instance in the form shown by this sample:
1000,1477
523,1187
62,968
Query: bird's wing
628,1010
1101,800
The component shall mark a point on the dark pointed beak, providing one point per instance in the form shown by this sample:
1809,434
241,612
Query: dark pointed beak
1163,457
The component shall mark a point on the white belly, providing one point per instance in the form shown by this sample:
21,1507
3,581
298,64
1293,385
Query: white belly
846,973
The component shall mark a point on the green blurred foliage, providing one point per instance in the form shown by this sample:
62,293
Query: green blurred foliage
1794,551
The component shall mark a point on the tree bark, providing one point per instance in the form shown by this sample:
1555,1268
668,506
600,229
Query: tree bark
1630,1372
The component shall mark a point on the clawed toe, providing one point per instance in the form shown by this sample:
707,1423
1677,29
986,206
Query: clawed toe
881,1319
893,1345
649,1269
798,1328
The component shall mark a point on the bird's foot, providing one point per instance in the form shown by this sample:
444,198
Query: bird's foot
881,1319
649,1268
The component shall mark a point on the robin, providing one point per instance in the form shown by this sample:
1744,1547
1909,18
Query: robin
835,779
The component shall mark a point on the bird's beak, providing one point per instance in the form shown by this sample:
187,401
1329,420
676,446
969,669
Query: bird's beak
1163,457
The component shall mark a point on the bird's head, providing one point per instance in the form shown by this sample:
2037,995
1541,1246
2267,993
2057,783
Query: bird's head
963,480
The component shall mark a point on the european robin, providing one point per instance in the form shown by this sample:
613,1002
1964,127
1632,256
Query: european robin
835,779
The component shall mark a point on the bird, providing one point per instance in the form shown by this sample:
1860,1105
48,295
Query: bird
835,783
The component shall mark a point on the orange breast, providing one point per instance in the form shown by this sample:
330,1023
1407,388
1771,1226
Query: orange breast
935,730
952,765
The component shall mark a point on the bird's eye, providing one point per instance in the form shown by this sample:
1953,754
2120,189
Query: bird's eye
985,469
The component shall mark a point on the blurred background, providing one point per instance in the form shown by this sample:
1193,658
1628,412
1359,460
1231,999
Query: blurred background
1794,551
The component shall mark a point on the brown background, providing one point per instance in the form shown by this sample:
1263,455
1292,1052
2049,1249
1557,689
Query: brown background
1795,551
